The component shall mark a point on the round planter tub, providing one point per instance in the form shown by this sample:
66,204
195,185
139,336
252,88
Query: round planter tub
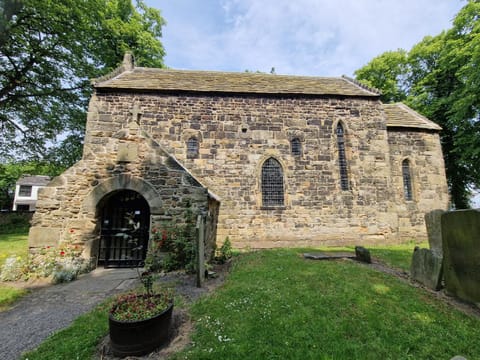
135,338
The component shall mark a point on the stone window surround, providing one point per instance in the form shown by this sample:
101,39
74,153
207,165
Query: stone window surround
296,147
340,139
192,147
407,179
187,136
278,200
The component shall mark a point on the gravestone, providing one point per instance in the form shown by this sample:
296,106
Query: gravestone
434,231
363,254
461,253
426,268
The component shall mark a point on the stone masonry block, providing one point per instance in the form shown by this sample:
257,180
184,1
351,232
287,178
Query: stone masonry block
43,236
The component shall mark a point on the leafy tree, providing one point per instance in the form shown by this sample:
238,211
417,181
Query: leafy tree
49,50
387,72
439,77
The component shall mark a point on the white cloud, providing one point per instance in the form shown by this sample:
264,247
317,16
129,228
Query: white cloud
309,37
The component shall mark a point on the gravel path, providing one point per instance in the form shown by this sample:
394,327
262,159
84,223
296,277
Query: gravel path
49,309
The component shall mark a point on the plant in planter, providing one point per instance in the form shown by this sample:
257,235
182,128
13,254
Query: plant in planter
139,322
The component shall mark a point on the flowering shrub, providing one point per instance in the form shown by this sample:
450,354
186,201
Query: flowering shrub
173,246
12,269
63,263
136,307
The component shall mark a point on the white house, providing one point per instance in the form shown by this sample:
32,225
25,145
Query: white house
26,191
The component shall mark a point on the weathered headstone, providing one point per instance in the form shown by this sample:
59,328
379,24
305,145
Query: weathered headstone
434,231
362,254
461,253
426,268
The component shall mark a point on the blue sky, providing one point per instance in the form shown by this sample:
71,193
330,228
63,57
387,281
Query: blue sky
301,37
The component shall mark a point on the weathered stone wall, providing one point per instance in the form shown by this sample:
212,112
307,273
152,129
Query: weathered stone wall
429,187
130,137
238,133
117,156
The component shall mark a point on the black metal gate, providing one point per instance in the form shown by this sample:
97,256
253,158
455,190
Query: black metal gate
125,219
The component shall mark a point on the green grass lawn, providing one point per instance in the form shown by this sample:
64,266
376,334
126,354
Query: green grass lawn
397,256
78,341
277,305
11,244
8,295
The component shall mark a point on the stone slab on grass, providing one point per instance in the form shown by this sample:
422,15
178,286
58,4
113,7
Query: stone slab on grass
329,255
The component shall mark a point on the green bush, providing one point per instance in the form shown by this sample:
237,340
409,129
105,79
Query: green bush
173,247
225,251
15,222
64,264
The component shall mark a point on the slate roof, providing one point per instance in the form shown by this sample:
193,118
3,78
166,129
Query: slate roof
34,180
153,79
129,77
400,115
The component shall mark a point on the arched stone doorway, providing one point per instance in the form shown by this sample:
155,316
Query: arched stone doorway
124,229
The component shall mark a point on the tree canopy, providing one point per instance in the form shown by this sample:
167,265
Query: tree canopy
49,50
439,78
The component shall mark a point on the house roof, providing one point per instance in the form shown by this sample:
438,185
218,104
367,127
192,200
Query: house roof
34,180
153,79
400,115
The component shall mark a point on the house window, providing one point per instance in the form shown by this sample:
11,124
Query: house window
192,148
407,180
23,207
296,145
25,190
342,160
272,183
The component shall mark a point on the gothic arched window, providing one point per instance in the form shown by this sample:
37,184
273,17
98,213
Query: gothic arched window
342,160
192,148
407,180
272,183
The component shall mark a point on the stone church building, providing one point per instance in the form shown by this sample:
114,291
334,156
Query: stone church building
271,160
